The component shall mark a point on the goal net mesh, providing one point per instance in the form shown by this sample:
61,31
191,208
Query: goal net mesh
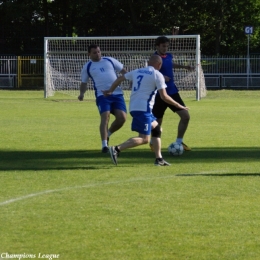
65,56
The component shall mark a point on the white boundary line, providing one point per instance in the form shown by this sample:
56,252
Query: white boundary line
98,184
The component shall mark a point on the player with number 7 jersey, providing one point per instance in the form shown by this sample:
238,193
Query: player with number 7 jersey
145,83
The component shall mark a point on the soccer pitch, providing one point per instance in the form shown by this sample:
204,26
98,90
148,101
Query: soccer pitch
61,198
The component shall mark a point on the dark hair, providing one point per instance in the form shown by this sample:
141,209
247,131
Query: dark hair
160,40
92,46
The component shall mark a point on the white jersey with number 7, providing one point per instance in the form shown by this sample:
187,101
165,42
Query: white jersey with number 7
145,83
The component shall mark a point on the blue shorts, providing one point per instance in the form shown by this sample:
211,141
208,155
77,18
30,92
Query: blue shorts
110,103
142,122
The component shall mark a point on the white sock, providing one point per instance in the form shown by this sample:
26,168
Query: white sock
179,140
104,143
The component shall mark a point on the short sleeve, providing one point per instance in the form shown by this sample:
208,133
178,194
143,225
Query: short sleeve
129,75
117,64
84,74
159,80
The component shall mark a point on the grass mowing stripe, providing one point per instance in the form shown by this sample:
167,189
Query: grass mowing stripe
96,185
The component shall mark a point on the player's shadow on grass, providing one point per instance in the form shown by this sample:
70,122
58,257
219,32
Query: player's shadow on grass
51,160
95,160
218,174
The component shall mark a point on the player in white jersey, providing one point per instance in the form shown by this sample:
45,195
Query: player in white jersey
102,71
145,83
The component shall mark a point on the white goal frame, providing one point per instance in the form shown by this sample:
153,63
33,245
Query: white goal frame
64,58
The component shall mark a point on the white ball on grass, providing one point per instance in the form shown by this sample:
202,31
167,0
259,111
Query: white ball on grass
175,149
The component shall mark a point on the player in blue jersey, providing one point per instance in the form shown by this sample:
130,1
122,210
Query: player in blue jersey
103,72
145,83
162,44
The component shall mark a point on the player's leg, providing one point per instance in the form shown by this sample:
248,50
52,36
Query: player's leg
120,118
183,123
159,120
184,120
141,123
158,111
104,119
156,140
134,141
130,143
182,127
103,105
118,109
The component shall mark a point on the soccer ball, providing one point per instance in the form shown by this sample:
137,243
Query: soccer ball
175,149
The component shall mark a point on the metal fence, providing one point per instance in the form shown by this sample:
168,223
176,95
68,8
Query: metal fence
21,72
30,72
231,72
219,72
8,71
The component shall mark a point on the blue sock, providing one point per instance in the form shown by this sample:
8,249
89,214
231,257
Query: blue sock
179,140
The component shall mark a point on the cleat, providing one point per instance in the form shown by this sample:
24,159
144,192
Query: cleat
161,162
186,147
113,154
105,149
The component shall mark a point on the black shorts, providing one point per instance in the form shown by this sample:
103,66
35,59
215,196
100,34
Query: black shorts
160,106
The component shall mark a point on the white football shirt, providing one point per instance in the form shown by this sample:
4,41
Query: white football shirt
102,73
146,82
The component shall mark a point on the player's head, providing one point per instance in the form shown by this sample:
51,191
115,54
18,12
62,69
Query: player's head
155,61
162,44
94,52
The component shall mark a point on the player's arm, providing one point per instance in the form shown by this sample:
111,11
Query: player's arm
179,66
123,71
166,98
115,84
82,90
166,78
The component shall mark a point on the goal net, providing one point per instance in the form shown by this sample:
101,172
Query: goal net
64,58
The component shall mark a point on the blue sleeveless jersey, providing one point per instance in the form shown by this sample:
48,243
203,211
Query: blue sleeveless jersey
167,70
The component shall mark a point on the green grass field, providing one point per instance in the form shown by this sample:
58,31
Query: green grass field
61,198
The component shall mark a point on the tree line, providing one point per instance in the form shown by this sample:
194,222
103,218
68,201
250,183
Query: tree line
220,23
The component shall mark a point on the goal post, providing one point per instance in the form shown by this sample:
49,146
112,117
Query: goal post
64,58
